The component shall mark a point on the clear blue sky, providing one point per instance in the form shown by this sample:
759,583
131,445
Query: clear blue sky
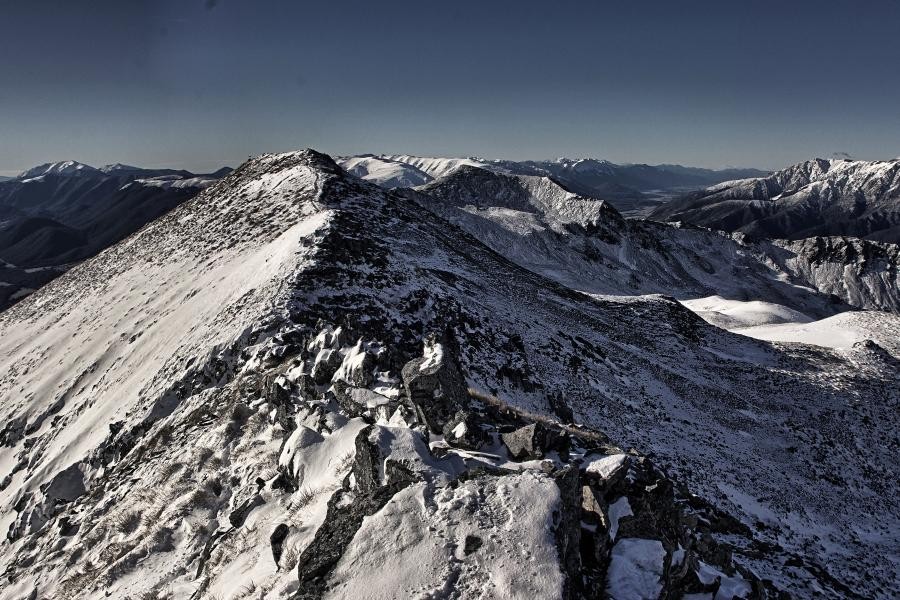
202,83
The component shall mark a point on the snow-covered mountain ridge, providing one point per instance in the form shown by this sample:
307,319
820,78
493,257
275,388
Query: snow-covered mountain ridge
814,198
633,188
245,392
67,168
587,245
58,214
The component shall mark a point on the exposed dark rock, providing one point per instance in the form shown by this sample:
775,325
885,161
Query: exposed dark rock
533,441
277,541
239,515
465,431
346,511
435,385
357,401
568,529
357,366
326,364
67,485
472,544
13,431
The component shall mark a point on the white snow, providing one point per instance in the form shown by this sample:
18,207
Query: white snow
414,546
635,569
729,587
68,167
605,466
385,172
353,364
169,182
436,167
617,510
433,355
840,331
731,314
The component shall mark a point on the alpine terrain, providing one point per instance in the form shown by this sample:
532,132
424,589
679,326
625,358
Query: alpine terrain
814,198
472,382
633,189
57,214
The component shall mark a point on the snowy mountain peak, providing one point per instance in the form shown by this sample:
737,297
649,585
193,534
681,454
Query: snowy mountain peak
385,172
587,165
118,167
820,197
64,168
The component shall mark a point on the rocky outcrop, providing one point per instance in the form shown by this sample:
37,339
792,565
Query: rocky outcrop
533,442
434,385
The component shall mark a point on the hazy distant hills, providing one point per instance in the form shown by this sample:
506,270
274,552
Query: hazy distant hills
632,189
57,214
814,198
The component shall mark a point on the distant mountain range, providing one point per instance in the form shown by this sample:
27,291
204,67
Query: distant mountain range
633,189
585,244
57,214
814,198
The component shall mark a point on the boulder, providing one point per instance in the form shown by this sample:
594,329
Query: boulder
277,541
325,365
607,470
435,386
356,401
13,432
67,485
533,441
239,514
465,431
357,366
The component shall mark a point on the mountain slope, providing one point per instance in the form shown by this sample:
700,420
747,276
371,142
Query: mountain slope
254,359
633,189
384,172
585,244
815,198
57,214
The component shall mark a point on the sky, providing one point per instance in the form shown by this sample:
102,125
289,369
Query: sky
199,84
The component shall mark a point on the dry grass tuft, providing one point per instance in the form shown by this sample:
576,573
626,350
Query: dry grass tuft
344,463
502,407
291,557
127,522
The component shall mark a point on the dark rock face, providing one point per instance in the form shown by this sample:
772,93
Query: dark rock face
465,431
12,432
568,535
532,442
277,540
332,538
435,386
325,366
239,515
346,510
472,544
67,485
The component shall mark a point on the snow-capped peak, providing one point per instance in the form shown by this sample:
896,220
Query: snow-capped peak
64,168
118,167
587,165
